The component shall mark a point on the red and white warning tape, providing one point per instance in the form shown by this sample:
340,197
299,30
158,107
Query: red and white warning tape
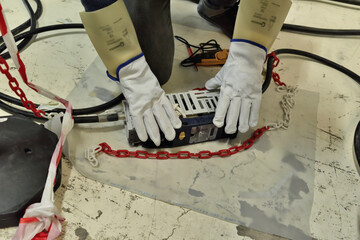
41,220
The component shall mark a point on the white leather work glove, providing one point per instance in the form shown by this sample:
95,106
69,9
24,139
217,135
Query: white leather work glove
240,80
149,107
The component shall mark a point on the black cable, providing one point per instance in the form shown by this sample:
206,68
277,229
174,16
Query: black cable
12,100
34,31
83,111
352,2
320,31
266,83
322,60
27,36
26,24
27,39
14,110
357,144
83,119
286,27
209,46
80,111
49,28
268,74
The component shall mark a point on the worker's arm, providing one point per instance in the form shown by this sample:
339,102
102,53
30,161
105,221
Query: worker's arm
257,25
112,33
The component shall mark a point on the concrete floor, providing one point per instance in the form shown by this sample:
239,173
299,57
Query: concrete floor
97,211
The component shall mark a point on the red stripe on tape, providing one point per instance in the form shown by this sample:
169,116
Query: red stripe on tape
3,27
22,69
28,220
41,236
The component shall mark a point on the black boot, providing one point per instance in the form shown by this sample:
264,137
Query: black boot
221,13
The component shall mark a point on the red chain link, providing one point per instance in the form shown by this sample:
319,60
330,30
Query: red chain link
275,76
199,89
14,85
162,155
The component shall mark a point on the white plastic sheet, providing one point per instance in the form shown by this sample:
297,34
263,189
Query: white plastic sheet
268,187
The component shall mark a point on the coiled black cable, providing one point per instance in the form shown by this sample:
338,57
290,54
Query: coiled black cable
357,144
266,83
25,42
320,31
26,24
83,119
352,2
27,36
322,60
80,111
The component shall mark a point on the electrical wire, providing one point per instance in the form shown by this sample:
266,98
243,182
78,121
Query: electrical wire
268,74
77,119
212,44
320,59
25,42
352,2
319,31
265,85
80,111
32,32
324,31
27,36
26,24
207,47
357,144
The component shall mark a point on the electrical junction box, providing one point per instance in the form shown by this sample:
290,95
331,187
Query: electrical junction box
26,149
199,110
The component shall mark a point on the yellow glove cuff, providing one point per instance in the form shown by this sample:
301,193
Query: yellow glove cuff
260,21
112,33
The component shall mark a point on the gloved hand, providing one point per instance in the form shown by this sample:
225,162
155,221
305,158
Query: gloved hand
149,107
241,82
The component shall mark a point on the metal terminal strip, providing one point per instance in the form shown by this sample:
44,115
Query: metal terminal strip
195,102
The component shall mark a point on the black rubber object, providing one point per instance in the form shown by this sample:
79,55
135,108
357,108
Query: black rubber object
352,2
191,129
25,153
357,146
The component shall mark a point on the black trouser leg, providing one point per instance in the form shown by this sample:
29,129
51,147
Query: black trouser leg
220,12
152,22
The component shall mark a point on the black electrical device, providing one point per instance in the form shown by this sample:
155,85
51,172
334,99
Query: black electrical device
197,108
26,149
193,130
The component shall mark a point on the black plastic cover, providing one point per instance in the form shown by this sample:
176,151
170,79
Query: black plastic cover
191,130
25,153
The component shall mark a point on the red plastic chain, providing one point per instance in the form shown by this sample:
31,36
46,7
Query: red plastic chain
199,89
275,76
14,85
163,155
